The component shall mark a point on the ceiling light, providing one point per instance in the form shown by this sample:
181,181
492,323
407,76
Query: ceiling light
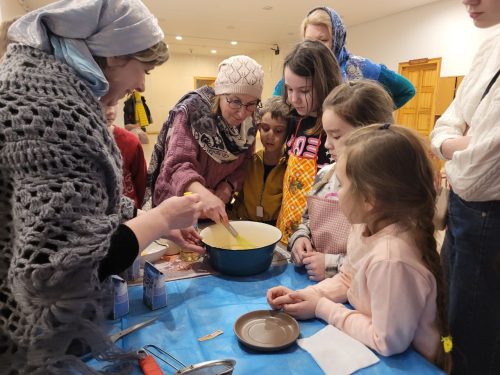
234,42
267,7
213,51
178,37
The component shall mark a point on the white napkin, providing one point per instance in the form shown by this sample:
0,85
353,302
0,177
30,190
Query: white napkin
337,353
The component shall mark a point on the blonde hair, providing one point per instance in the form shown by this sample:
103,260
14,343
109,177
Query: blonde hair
215,107
318,17
360,103
390,166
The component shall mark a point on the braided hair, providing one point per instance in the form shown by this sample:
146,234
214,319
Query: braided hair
390,164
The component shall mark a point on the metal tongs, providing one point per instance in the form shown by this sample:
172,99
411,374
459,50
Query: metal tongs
149,366
117,336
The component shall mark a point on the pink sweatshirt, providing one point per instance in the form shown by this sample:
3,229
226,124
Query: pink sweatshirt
186,162
391,290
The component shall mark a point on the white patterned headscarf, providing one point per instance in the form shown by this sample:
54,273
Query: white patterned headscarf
76,30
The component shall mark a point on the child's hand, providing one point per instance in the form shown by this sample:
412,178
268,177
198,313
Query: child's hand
301,246
315,265
304,306
278,296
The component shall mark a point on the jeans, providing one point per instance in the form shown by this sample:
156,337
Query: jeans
470,257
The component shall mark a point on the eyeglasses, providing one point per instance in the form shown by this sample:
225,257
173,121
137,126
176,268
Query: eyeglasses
237,104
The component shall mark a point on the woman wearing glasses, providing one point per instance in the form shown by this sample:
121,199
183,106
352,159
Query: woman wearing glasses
208,137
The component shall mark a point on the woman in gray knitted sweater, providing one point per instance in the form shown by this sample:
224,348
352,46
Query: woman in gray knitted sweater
65,224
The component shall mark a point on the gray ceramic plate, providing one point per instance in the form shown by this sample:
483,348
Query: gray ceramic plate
266,330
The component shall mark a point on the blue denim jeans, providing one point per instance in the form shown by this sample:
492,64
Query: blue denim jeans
470,259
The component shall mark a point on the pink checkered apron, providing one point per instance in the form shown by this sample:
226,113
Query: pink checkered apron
329,227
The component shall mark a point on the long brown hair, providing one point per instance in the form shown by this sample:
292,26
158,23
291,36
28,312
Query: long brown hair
360,103
390,165
313,60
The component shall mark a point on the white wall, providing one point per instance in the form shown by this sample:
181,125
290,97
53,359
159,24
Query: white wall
170,81
10,9
273,67
442,29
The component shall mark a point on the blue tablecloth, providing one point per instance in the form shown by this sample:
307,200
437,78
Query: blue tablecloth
199,306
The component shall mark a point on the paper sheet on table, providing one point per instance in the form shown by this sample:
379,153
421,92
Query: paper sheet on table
337,353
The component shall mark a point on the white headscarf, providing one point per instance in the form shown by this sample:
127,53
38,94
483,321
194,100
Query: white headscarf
76,30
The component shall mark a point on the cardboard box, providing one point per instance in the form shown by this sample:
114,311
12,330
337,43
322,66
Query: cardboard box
154,292
120,297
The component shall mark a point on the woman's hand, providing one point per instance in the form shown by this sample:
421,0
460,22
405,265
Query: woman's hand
171,214
315,265
224,191
277,296
181,212
214,208
301,246
304,306
187,238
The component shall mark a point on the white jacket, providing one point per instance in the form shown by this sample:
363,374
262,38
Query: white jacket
474,173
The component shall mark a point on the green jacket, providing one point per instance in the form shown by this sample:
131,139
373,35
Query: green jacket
255,193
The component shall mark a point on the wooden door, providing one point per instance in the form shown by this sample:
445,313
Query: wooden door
447,91
445,94
419,112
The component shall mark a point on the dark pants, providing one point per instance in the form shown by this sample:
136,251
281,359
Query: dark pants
470,259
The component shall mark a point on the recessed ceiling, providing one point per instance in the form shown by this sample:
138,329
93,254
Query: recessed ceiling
256,25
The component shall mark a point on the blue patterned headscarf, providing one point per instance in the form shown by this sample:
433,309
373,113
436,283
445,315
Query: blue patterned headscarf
75,30
352,67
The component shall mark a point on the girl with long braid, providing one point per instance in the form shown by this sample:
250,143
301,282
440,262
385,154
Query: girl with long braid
392,275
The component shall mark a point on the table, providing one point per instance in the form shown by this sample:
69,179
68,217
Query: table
199,306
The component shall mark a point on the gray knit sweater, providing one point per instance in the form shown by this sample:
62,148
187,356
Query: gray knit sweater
60,203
